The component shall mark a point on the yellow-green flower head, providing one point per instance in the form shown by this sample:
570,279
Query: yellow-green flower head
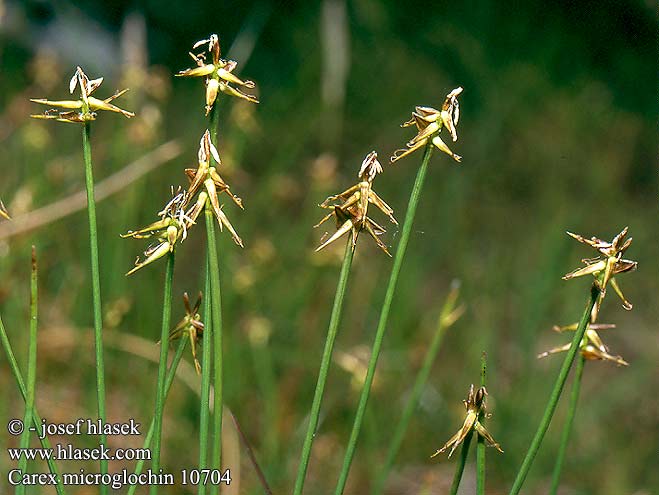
218,73
592,346
169,230
350,208
84,109
213,185
475,405
606,266
429,123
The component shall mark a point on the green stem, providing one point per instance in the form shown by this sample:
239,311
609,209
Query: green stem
96,289
384,317
445,321
480,447
204,416
335,318
216,318
31,371
171,373
162,367
36,419
556,393
567,429
460,466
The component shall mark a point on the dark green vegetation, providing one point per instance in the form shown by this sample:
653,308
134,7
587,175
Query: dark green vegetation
557,132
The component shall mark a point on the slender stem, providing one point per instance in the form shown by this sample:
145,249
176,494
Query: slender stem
460,466
384,317
204,416
446,319
480,447
252,457
162,368
569,421
216,304
96,289
335,318
31,371
216,311
36,419
171,373
556,393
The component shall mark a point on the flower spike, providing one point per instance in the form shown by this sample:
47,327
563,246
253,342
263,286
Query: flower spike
591,347
218,74
475,405
213,185
169,230
190,326
351,211
84,109
606,266
429,123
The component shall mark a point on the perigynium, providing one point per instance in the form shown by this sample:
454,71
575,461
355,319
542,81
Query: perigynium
83,111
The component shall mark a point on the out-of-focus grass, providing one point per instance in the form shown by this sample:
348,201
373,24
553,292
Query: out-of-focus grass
557,132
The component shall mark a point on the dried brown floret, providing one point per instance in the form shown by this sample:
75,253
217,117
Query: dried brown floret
475,405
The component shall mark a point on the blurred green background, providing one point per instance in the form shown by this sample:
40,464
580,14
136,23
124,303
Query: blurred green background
557,132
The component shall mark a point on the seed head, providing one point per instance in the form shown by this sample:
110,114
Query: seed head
604,267
218,73
350,208
84,109
190,326
475,405
429,123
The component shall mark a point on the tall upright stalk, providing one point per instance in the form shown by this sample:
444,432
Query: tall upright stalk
480,447
460,465
216,319
569,421
171,373
447,317
335,318
207,349
384,317
556,393
162,368
31,371
36,419
96,289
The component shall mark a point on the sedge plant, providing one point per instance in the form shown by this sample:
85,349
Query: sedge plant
83,111
473,422
604,268
429,123
218,78
350,211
